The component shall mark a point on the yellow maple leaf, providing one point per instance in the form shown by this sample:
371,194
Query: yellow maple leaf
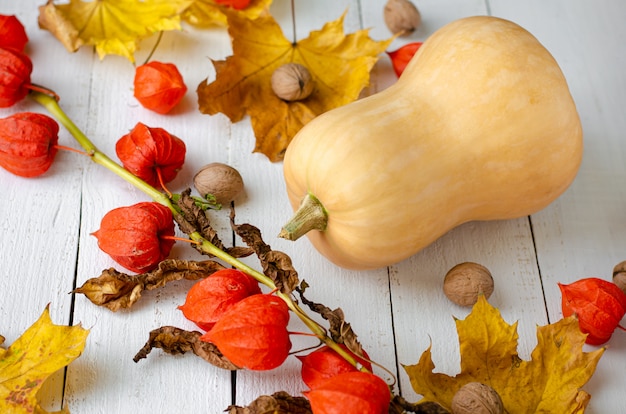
111,26
339,64
550,382
204,13
43,349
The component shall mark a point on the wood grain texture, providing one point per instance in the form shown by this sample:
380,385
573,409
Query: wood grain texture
45,223
579,235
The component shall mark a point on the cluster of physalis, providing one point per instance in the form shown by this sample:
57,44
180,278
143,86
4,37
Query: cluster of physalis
242,326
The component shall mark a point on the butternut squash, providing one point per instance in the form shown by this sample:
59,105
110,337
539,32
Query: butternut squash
480,126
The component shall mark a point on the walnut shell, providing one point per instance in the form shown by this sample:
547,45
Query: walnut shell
465,281
619,275
476,398
292,82
220,180
402,17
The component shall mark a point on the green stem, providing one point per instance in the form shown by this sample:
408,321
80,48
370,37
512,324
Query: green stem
97,156
52,106
311,215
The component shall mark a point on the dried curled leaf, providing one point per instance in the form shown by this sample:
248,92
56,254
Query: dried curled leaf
116,290
111,26
551,380
176,341
195,219
43,349
340,330
277,403
276,264
339,64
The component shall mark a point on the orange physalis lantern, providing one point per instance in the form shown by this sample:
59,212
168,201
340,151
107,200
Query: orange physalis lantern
599,305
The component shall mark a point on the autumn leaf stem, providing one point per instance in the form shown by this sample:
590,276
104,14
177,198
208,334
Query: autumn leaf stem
293,20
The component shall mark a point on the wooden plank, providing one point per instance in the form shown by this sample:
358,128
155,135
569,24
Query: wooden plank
39,217
105,378
362,295
46,222
422,315
581,234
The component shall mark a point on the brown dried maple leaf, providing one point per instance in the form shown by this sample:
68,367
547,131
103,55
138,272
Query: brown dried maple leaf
339,64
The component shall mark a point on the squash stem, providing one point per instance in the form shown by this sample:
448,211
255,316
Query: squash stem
311,215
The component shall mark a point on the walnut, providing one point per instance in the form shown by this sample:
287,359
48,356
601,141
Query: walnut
465,281
402,17
292,82
619,275
476,398
219,180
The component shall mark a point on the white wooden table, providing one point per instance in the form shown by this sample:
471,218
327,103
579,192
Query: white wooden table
45,223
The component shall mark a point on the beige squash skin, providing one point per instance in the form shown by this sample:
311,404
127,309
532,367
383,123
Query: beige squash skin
480,126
